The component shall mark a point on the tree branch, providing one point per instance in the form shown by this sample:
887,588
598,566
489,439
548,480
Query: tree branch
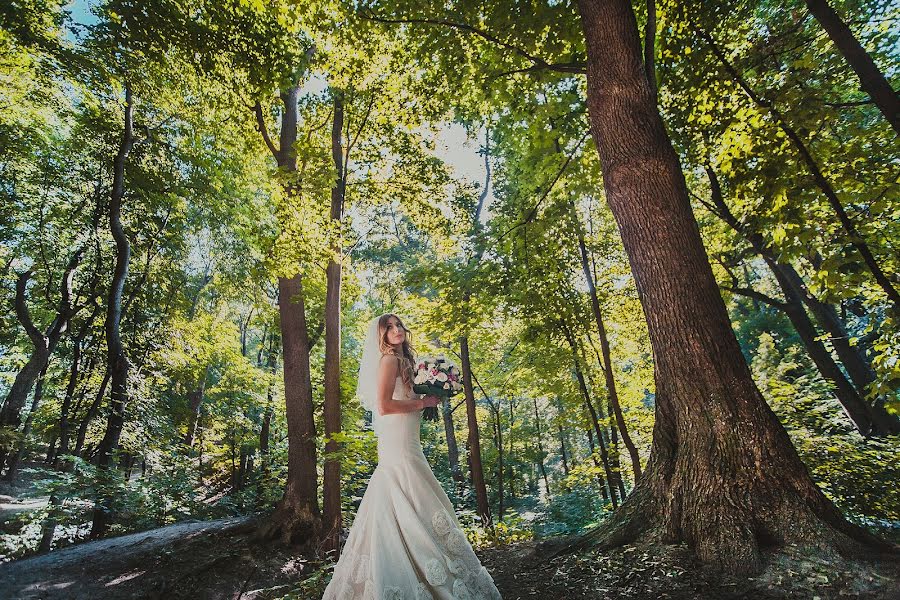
261,127
538,62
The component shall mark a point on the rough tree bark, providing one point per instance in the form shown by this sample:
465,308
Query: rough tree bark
723,475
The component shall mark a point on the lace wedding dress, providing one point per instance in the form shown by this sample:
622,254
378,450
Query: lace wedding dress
405,542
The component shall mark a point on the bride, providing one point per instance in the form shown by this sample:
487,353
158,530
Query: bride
405,542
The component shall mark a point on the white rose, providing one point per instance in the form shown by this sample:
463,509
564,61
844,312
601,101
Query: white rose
446,386
441,376
420,378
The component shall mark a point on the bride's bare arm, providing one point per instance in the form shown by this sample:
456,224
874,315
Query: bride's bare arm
388,370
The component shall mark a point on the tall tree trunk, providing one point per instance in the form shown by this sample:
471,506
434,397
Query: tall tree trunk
498,442
562,448
66,407
16,458
606,489
296,519
484,509
540,447
562,435
116,359
595,422
723,475
195,400
871,79
331,493
607,355
264,432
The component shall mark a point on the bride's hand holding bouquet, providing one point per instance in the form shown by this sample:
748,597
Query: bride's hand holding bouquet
438,378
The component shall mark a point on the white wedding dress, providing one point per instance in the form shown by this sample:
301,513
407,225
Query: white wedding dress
405,542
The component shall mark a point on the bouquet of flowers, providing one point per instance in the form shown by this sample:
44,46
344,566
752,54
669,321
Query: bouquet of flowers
436,376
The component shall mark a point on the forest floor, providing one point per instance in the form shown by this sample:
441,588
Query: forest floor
217,560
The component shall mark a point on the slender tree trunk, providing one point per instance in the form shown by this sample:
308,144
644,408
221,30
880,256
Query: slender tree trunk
70,394
331,521
512,475
871,79
195,400
44,344
562,436
297,519
606,489
116,359
858,366
484,509
595,423
498,441
540,447
16,458
48,529
562,449
723,475
607,357
452,445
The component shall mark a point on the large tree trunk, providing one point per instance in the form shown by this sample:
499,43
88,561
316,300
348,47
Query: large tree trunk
331,492
484,509
297,519
723,475
871,79
116,359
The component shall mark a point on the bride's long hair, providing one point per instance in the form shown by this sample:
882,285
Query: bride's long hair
406,354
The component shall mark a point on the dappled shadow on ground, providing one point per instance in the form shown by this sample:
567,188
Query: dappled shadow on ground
217,560
671,572
205,560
